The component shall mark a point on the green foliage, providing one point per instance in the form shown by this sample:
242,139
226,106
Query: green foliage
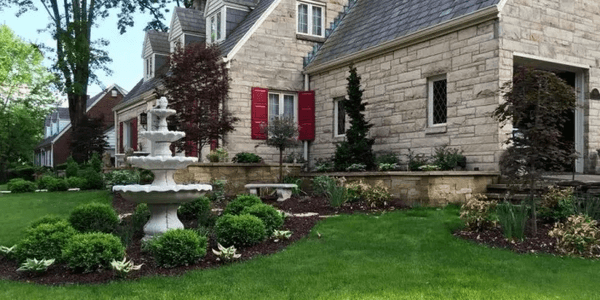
448,159
23,172
34,265
377,196
387,167
356,190
218,190
246,158
93,179
557,204
357,147
268,214
236,206
76,182
587,205
45,241
294,180
416,161
19,185
94,217
281,234
578,235
388,158
321,184
477,213
123,177
72,169
146,176
218,155
47,219
337,195
240,230
226,253
323,165
95,162
356,168
178,247
8,252
122,268
42,181
140,217
56,185
198,208
512,219
87,252
282,133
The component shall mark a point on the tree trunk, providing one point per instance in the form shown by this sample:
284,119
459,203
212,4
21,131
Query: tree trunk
280,166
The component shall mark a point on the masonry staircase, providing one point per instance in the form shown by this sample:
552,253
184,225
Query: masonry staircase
519,192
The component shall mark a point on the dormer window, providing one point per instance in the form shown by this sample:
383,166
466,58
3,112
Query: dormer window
216,27
149,67
310,19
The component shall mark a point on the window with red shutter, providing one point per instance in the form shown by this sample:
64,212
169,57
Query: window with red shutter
306,115
260,113
134,133
121,148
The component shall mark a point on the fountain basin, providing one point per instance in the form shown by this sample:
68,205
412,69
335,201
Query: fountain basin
163,136
161,162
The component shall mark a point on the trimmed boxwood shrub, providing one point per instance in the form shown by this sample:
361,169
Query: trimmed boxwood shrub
76,182
57,185
87,252
45,241
72,167
23,172
195,209
47,219
19,185
236,206
122,177
93,179
94,217
42,182
246,157
178,247
268,214
239,231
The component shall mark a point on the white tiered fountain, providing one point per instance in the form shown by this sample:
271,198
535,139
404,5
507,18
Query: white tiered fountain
163,196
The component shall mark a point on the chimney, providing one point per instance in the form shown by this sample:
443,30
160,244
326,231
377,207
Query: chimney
199,4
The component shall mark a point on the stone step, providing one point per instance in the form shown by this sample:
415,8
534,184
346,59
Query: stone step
501,196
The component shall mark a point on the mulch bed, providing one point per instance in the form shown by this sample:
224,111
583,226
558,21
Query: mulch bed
533,243
59,274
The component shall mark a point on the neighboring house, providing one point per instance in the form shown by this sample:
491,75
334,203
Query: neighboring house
431,70
54,149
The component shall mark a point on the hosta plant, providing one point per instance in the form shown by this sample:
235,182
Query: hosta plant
281,234
34,265
122,268
356,168
578,235
477,213
387,167
226,253
6,251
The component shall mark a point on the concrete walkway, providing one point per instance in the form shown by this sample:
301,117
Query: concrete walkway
586,178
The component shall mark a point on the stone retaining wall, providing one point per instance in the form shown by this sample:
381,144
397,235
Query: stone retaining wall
429,188
237,175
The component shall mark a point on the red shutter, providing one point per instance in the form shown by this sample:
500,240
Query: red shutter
121,149
306,115
134,133
260,113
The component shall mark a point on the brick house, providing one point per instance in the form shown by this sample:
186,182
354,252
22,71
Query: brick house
54,149
431,70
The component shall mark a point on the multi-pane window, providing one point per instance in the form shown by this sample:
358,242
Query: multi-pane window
216,28
438,99
339,118
149,67
282,105
310,19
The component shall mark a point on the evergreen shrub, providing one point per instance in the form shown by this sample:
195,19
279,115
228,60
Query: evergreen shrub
178,247
236,206
94,217
240,231
268,214
45,241
87,252
19,185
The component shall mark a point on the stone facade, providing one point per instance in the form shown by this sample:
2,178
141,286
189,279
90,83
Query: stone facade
272,58
562,35
427,188
396,88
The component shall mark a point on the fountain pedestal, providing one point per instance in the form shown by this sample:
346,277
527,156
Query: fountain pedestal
163,196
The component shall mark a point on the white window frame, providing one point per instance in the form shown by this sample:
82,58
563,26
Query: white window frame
209,20
430,94
281,103
336,118
310,24
149,67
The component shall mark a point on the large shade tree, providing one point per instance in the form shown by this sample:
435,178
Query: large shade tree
77,54
537,103
197,86
25,98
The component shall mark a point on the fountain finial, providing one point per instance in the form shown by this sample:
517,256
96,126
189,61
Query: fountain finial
162,102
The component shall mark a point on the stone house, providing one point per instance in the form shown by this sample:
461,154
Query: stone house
431,70
54,149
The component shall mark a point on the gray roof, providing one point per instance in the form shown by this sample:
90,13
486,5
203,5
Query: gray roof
236,35
144,86
61,113
250,3
191,20
159,41
372,22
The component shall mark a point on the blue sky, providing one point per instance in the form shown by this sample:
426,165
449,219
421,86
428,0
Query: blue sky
125,50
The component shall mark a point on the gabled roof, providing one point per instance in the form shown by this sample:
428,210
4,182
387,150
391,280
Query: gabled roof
61,113
143,86
250,3
191,20
244,27
159,41
370,23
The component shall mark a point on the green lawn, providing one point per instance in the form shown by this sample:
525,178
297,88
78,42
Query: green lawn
3,187
18,210
399,255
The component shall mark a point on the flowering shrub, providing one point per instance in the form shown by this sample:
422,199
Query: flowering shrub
377,196
578,235
356,190
477,213
557,204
